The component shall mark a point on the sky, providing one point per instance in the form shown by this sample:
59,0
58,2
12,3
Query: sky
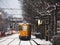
12,4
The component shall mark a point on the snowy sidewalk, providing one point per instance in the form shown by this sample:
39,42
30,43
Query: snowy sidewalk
14,40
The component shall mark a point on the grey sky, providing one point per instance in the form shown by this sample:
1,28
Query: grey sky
12,4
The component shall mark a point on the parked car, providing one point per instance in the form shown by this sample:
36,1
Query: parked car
13,31
2,34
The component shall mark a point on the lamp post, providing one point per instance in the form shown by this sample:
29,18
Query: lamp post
38,22
38,26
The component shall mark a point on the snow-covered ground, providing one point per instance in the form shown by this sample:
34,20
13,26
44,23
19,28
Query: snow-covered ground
14,40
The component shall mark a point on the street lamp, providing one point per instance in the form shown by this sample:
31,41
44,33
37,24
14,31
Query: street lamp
38,27
38,19
39,22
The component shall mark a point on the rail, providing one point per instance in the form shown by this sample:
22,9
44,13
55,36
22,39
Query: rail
14,40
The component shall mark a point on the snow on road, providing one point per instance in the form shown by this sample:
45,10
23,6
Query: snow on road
14,40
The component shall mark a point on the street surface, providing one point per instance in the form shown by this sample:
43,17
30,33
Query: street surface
14,40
